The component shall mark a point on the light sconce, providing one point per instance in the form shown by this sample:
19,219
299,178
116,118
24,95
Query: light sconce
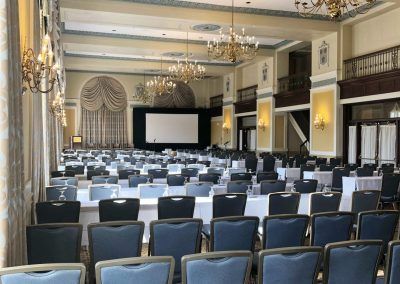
225,127
319,122
261,124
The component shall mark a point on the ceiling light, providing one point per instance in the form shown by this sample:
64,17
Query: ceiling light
161,85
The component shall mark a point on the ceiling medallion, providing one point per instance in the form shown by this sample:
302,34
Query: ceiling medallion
334,8
233,47
161,84
187,71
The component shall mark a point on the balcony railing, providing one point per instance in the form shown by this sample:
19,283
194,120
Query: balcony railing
374,63
216,101
294,82
247,94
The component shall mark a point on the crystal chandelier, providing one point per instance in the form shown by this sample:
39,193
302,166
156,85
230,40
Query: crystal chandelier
57,108
233,47
333,8
160,84
187,71
141,92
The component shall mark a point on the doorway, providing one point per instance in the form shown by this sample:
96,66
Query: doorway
247,133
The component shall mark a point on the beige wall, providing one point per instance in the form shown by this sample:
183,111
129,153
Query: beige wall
216,131
264,112
332,41
228,119
280,134
205,89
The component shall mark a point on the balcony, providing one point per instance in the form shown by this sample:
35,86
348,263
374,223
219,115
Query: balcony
216,105
293,90
246,100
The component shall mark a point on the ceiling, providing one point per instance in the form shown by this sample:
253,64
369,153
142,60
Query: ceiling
131,36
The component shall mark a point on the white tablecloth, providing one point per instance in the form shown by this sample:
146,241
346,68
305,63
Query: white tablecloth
321,177
361,183
288,174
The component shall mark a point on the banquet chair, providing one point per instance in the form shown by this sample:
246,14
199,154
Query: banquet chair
371,166
241,176
271,186
148,167
306,168
392,271
172,207
269,164
135,180
199,167
124,174
238,186
119,209
57,212
53,243
61,193
337,178
177,180
190,172
364,200
209,177
113,240
198,189
64,181
231,267
386,169
55,174
71,273
326,168
251,163
105,180
283,203
389,190
158,173
90,174
298,265
103,191
152,269
261,176
233,233
77,169
330,227
175,237
320,162
321,202
95,168
364,172
337,162
354,262
216,170
351,167
190,161
152,190
305,185
232,171
175,168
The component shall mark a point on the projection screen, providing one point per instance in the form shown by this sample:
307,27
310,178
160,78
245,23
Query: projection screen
172,128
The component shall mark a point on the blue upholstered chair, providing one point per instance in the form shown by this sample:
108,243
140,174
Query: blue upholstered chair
306,168
61,193
264,176
321,202
364,200
53,243
197,166
241,176
65,273
170,207
268,163
158,173
216,170
330,228
217,268
64,181
104,180
198,189
284,231
337,178
364,172
251,163
283,203
298,265
326,168
190,172
143,270
113,240
175,168
95,173
175,237
377,225
209,177
119,209
392,271
272,186
77,169
390,189
103,191
354,262
177,180
238,186
305,185
152,190
233,233
124,174
230,204
55,174
96,167
58,212
135,180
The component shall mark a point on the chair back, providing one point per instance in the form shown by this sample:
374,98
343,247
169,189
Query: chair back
371,166
321,161
58,212
351,167
135,180
283,203
55,174
298,265
337,162
337,177
364,200
103,191
54,243
172,207
67,273
233,233
269,163
261,176
324,202
175,237
198,166
209,177
61,193
287,230
272,186
158,173
306,168
151,269
175,168
241,176
198,189
239,186
91,174
330,227
64,181
216,170
364,172
226,205
390,187
119,209
76,169
124,174
251,163
305,185
392,271
217,267
326,168
90,167
152,190
353,262
104,180
190,172
177,180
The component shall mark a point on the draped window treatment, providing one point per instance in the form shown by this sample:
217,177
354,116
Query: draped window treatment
387,143
368,143
352,151
103,117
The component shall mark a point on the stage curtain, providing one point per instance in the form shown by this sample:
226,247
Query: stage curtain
103,116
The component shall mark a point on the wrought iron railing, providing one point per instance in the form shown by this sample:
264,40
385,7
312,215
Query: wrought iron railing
373,63
247,94
294,82
216,101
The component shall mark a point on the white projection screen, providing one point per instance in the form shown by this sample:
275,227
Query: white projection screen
172,128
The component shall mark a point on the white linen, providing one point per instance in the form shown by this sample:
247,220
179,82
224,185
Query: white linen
352,151
387,143
368,144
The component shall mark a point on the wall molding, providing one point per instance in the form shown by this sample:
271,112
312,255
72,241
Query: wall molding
379,97
292,108
217,118
250,113
324,77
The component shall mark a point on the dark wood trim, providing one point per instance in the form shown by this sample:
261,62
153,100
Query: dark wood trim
291,98
246,106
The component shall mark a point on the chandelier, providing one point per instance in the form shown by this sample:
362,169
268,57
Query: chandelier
57,108
160,84
39,73
334,8
233,47
141,92
187,71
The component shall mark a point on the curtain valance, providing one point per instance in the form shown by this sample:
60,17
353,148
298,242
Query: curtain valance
105,91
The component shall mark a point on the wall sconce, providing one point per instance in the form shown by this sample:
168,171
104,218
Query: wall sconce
261,124
319,122
225,127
